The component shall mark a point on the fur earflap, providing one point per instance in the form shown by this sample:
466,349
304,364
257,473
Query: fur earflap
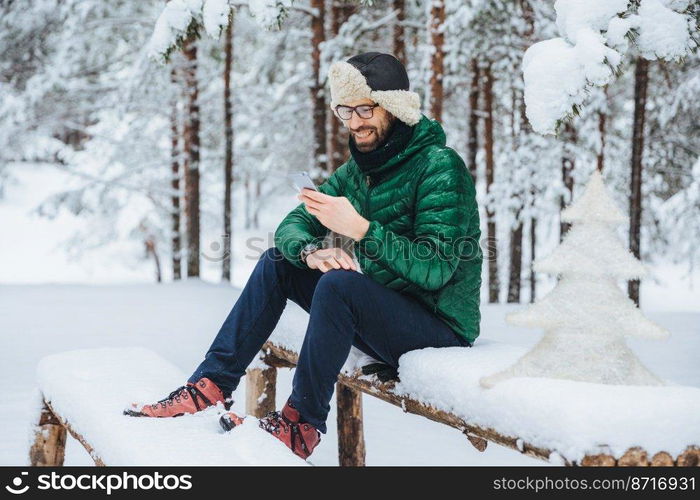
403,104
348,84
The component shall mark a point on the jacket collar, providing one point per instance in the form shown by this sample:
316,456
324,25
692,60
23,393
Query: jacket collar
425,133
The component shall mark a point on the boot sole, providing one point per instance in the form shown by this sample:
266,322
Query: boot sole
136,413
133,413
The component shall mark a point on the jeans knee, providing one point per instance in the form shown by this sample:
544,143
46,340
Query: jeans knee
271,256
337,283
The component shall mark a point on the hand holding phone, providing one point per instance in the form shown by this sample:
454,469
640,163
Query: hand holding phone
301,180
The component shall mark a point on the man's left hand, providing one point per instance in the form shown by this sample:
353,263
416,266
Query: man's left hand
335,212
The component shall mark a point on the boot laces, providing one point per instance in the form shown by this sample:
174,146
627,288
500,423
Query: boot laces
272,422
183,392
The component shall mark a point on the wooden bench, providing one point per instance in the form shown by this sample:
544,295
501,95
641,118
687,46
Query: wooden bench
83,393
52,427
351,444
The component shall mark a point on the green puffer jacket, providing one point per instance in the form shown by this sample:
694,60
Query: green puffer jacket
423,237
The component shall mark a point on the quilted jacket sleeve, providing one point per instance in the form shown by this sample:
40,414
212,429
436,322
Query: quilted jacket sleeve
445,200
300,228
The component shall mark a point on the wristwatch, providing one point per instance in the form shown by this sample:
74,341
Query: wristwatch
309,248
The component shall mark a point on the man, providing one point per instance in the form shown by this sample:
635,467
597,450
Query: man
407,202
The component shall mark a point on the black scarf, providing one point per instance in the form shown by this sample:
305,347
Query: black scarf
395,142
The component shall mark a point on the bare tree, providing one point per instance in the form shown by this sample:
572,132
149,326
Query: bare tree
494,284
602,118
399,36
176,237
318,99
568,163
641,81
437,69
150,246
228,154
473,140
338,136
191,133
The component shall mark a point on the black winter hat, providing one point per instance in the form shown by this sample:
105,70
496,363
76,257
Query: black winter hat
382,71
376,76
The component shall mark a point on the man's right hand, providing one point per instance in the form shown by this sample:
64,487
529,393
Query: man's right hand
326,259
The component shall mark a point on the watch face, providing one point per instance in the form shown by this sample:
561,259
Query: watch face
311,247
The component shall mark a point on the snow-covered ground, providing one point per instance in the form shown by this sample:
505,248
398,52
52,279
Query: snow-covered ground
179,320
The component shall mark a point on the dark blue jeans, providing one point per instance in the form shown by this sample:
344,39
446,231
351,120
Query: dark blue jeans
346,308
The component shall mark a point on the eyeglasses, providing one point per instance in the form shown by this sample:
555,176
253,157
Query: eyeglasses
364,111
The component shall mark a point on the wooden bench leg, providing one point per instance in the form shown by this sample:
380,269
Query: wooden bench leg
351,438
49,448
261,390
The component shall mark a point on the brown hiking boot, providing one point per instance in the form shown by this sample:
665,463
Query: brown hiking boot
300,437
189,398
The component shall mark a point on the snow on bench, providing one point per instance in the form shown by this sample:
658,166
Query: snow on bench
562,421
84,392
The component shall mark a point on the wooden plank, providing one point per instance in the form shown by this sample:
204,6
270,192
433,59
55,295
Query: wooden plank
78,437
689,458
634,457
49,447
384,392
261,391
351,438
662,459
600,460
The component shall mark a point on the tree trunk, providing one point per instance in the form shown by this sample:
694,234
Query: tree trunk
568,162
176,237
528,14
516,261
519,129
473,140
338,140
151,249
533,242
228,154
399,36
192,158
494,284
437,39
318,99
602,117
641,80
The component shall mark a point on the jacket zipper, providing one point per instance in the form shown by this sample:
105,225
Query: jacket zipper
368,181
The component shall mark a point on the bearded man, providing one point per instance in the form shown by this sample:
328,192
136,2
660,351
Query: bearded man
407,203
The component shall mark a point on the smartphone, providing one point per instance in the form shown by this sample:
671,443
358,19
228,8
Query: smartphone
301,180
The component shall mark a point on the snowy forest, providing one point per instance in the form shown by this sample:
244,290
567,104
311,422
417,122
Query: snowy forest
145,146
166,136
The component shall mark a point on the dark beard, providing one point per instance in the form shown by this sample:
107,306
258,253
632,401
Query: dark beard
397,138
381,140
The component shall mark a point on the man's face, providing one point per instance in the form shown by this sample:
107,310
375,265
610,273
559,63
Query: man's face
370,132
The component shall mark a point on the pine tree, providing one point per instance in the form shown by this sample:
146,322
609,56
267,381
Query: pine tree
586,317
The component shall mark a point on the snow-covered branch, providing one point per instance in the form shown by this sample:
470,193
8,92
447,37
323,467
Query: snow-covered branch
594,38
